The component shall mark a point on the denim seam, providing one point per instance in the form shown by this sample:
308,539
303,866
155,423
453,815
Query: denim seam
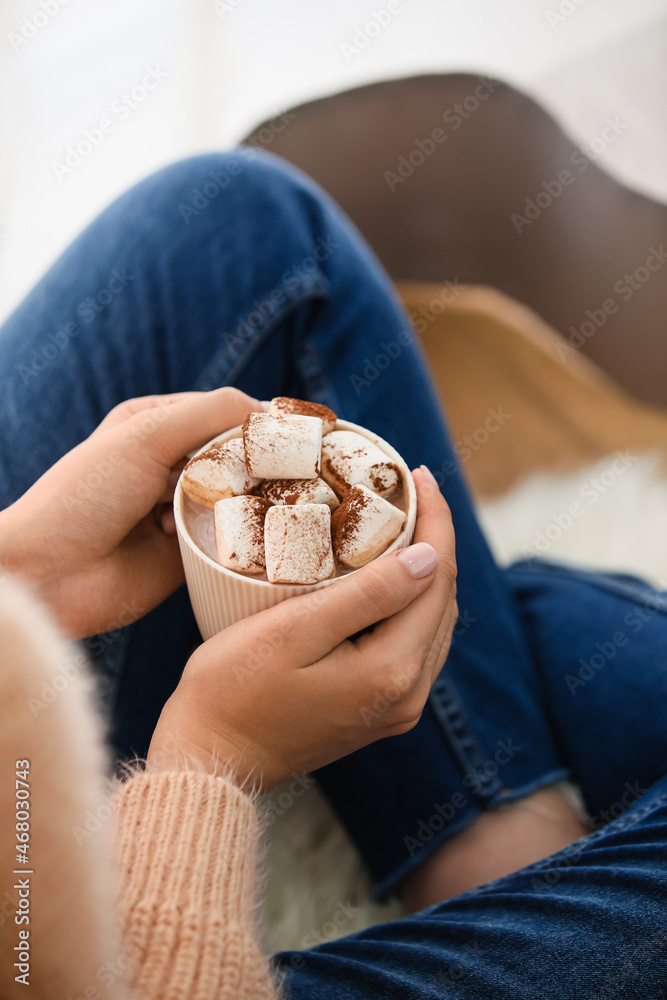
551,862
509,795
449,830
458,733
229,362
602,581
383,888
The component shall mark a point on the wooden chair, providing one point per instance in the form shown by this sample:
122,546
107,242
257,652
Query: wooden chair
488,353
450,218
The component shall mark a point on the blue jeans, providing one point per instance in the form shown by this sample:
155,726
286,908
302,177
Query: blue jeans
236,269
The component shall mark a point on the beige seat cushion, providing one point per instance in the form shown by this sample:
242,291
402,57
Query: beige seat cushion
554,408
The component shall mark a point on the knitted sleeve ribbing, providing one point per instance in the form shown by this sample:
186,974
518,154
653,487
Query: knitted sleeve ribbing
187,853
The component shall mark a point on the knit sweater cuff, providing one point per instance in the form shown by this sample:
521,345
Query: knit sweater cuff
187,855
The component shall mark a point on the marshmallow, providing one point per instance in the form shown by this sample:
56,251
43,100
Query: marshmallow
349,458
285,404
293,491
364,526
239,533
217,474
297,543
282,446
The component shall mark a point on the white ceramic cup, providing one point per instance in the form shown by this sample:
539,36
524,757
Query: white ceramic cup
221,597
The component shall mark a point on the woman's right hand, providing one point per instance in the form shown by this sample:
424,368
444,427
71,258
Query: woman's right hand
286,691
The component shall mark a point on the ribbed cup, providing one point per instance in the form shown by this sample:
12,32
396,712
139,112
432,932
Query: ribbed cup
221,597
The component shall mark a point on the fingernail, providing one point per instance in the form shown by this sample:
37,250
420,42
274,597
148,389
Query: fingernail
429,475
420,559
265,404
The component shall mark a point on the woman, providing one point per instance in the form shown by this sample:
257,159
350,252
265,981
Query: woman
235,270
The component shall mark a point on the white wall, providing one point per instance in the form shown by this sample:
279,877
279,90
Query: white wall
230,63
71,75
299,49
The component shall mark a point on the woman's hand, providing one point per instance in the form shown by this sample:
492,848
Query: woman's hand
92,533
287,691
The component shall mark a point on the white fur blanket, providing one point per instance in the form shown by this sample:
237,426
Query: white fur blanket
609,516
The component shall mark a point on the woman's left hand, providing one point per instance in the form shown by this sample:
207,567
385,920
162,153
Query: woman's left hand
92,533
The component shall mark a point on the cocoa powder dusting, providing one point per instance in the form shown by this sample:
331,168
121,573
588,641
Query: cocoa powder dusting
379,483
345,519
275,489
333,477
213,454
244,432
287,404
256,525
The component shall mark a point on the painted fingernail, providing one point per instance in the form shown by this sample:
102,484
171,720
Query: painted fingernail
265,404
429,475
420,559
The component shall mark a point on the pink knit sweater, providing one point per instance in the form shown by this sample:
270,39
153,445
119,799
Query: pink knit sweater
147,889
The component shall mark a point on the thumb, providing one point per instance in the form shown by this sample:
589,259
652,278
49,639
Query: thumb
314,624
167,431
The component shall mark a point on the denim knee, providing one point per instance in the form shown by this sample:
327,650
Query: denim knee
262,188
